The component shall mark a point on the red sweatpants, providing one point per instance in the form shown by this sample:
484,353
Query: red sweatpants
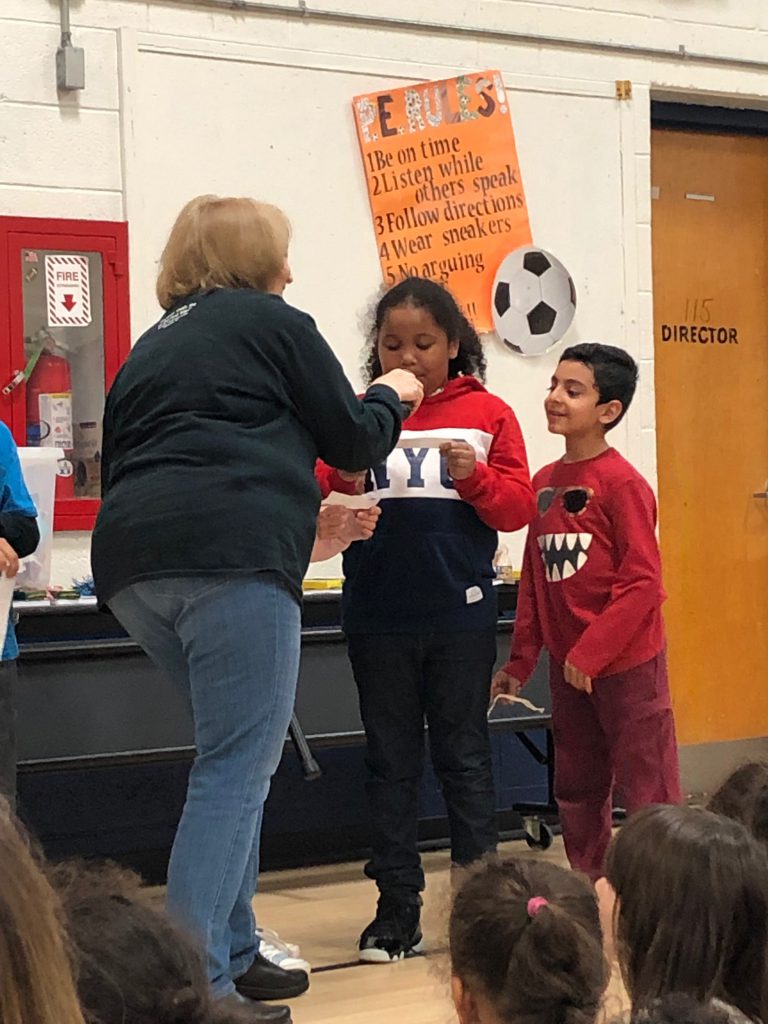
623,733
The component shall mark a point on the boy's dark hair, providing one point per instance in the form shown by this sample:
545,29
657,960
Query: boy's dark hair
744,797
134,965
615,373
544,964
681,1009
692,908
447,314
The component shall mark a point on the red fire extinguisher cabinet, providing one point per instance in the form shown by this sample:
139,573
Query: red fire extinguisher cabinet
94,256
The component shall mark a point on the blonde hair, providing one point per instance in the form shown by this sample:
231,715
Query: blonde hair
36,983
222,242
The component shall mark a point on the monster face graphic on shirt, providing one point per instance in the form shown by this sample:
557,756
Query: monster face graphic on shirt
564,553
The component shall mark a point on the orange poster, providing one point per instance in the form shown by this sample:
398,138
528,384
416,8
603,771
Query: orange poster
444,183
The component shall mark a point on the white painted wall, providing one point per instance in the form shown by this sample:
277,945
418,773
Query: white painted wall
184,98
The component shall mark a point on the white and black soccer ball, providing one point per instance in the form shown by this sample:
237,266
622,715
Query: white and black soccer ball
534,301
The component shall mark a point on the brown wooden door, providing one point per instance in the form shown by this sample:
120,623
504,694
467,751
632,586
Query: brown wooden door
710,283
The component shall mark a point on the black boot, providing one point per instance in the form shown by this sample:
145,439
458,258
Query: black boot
395,932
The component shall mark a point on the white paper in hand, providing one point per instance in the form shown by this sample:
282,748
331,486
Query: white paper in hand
422,440
6,597
353,501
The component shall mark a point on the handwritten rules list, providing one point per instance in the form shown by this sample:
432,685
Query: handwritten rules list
444,184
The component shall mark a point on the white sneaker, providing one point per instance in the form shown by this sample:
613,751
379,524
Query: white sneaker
282,954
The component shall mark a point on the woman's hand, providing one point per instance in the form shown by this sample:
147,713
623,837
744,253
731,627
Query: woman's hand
410,390
332,522
364,524
336,523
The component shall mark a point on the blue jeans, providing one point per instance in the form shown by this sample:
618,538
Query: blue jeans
232,646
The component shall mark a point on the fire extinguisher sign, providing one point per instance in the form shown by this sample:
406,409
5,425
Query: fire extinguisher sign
68,291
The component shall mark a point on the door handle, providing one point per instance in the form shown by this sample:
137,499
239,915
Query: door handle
762,494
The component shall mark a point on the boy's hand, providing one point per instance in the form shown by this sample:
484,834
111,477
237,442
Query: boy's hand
9,560
577,679
504,685
358,479
460,459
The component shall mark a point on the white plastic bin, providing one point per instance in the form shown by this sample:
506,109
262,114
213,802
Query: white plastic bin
39,468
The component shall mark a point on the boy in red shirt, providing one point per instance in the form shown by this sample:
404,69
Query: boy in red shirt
591,594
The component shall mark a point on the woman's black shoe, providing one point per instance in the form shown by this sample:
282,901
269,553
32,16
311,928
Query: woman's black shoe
250,1012
264,980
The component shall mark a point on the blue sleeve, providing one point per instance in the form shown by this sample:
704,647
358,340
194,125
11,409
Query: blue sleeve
14,496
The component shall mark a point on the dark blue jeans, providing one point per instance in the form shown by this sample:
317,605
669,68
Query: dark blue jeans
401,679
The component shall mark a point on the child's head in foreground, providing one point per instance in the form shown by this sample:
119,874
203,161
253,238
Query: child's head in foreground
686,895
525,944
744,797
134,964
36,982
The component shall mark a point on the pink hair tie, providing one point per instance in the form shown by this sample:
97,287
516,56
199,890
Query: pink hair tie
535,904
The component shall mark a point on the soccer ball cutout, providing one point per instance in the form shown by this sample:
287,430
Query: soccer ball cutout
534,301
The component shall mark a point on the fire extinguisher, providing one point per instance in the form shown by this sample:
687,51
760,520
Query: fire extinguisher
49,415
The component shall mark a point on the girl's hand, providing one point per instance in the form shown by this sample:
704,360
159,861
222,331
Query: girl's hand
460,459
409,390
358,479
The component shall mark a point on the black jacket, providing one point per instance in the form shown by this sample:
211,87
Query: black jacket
211,432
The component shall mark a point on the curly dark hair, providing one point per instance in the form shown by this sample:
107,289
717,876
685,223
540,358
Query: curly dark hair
447,314
134,965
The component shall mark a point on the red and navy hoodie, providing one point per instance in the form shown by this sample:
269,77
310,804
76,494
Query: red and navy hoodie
429,565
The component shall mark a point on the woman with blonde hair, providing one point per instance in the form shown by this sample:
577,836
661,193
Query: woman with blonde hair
36,984
211,434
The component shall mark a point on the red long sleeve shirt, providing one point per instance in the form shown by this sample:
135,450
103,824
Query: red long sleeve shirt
591,589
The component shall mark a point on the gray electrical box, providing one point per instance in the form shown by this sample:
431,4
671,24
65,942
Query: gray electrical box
70,67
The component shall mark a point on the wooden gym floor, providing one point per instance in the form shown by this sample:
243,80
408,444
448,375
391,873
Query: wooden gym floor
324,909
